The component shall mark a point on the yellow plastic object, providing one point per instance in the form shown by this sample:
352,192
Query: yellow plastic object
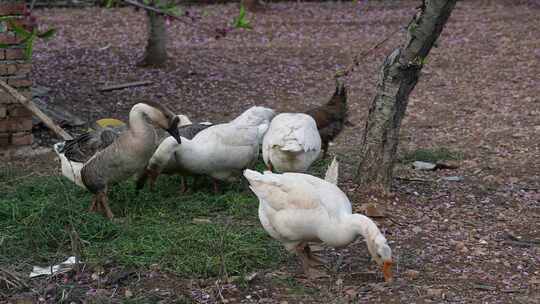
108,122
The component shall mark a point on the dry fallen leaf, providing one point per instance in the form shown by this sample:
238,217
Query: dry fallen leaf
371,210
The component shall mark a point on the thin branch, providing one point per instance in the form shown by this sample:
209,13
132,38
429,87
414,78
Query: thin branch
125,85
162,12
357,58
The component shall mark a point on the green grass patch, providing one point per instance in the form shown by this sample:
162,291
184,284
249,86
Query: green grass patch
431,155
37,213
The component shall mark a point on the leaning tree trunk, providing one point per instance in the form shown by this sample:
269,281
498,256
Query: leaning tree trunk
397,78
156,50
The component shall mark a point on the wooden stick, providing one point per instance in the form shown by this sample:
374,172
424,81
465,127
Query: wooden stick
36,111
125,85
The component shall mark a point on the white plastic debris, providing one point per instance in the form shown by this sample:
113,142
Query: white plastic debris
420,165
54,269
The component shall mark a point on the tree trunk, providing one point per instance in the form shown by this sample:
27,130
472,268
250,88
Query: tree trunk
251,5
397,78
156,47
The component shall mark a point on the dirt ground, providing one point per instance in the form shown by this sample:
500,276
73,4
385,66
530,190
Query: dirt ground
471,241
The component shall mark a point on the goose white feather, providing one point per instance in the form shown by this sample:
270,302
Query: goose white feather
332,172
221,151
296,208
292,143
70,169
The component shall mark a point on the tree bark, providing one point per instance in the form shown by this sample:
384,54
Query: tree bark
156,47
397,78
251,5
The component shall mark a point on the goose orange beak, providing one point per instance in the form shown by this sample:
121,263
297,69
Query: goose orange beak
387,271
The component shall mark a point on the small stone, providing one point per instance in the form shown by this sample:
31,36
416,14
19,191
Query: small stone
420,165
201,221
479,252
453,178
412,274
434,292
128,293
417,229
460,246
351,291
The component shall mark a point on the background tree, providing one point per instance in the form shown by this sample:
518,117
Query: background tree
251,5
397,78
155,53
158,11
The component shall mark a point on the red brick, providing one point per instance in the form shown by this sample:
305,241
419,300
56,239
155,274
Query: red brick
4,140
22,139
24,68
3,111
8,38
6,98
16,110
4,125
16,124
19,82
8,69
24,23
7,9
14,54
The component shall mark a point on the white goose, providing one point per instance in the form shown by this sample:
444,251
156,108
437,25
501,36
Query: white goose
296,208
221,151
292,143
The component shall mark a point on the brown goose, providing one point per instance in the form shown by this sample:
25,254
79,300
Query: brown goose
95,161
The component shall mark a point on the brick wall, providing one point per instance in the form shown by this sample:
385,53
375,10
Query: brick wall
15,119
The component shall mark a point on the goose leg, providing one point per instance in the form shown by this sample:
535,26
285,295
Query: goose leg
270,167
308,263
216,186
103,200
300,251
93,205
183,186
152,176
313,259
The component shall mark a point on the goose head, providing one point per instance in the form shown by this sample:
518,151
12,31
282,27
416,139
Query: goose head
164,118
381,253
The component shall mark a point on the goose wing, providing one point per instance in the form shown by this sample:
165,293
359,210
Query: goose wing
228,135
189,131
83,147
283,191
294,132
307,135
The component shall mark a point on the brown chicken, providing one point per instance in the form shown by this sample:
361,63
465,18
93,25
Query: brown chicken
331,117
